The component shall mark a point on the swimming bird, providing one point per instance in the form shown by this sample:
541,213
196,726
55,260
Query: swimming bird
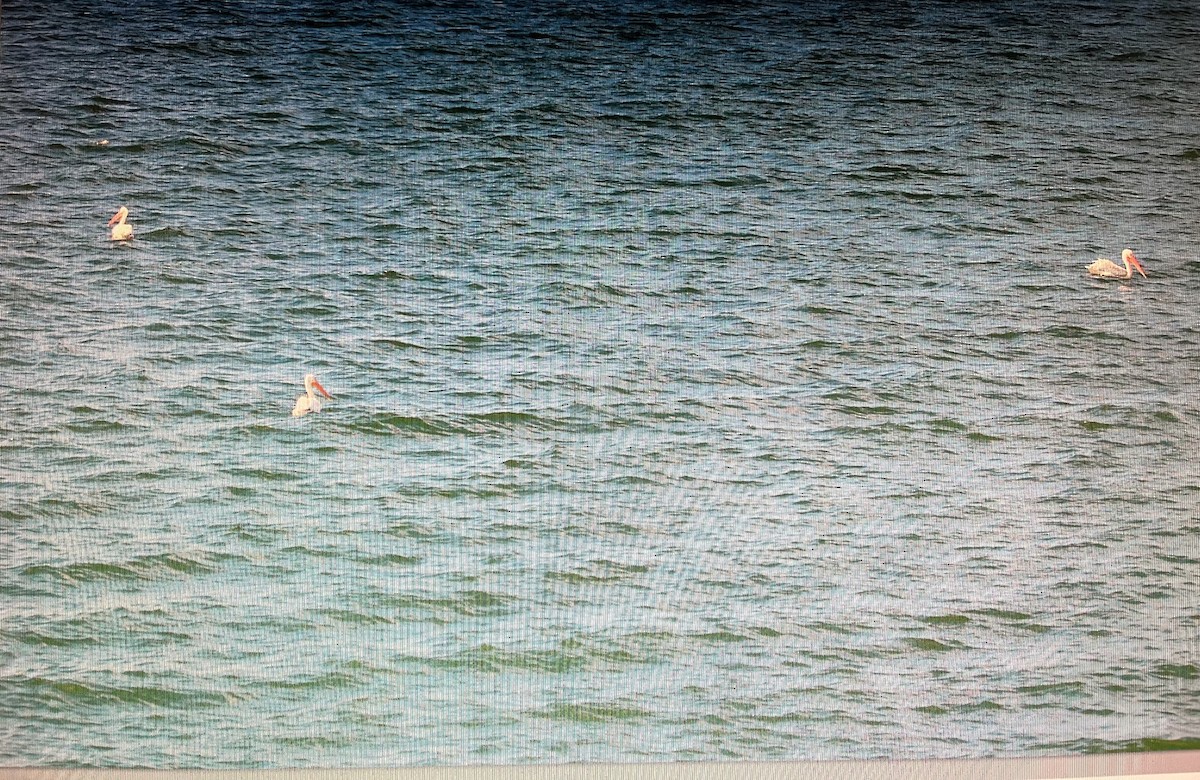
309,401
1110,270
121,230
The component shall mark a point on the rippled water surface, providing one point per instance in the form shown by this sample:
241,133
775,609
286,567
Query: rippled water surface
710,382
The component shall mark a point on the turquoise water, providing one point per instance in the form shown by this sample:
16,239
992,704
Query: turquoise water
710,382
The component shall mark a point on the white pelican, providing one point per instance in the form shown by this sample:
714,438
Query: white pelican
1110,270
309,401
121,230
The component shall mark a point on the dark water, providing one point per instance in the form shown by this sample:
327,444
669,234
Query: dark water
712,381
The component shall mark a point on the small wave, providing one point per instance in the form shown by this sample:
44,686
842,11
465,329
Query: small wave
881,429
593,712
590,293
97,426
388,423
509,419
303,312
20,192
1131,56
67,508
470,603
36,638
811,308
932,709
70,695
165,232
1075,333
145,567
913,195
305,550
253,533
465,109
932,645
1072,688
390,559
1147,745
579,578
902,172
983,437
744,180
332,680
1182,559
20,591
389,275
223,145
1002,614
719,636
494,659
868,411
1086,196
946,620
353,616
479,423
267,475
600,571
273,117
482,602
411,531
180,279
1176,671
315,742
627,480
100,104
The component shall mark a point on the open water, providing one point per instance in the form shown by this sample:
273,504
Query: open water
712,381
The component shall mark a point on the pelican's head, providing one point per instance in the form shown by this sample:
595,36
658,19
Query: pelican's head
120,216
1128,257
311,383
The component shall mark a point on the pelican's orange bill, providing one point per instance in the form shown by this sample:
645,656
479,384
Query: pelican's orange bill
324,392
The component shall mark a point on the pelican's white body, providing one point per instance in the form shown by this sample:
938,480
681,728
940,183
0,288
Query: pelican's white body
121,230
309,401
1107,269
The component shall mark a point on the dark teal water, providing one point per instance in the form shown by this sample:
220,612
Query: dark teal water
711,382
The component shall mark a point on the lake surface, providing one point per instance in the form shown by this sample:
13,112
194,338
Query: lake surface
710,382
